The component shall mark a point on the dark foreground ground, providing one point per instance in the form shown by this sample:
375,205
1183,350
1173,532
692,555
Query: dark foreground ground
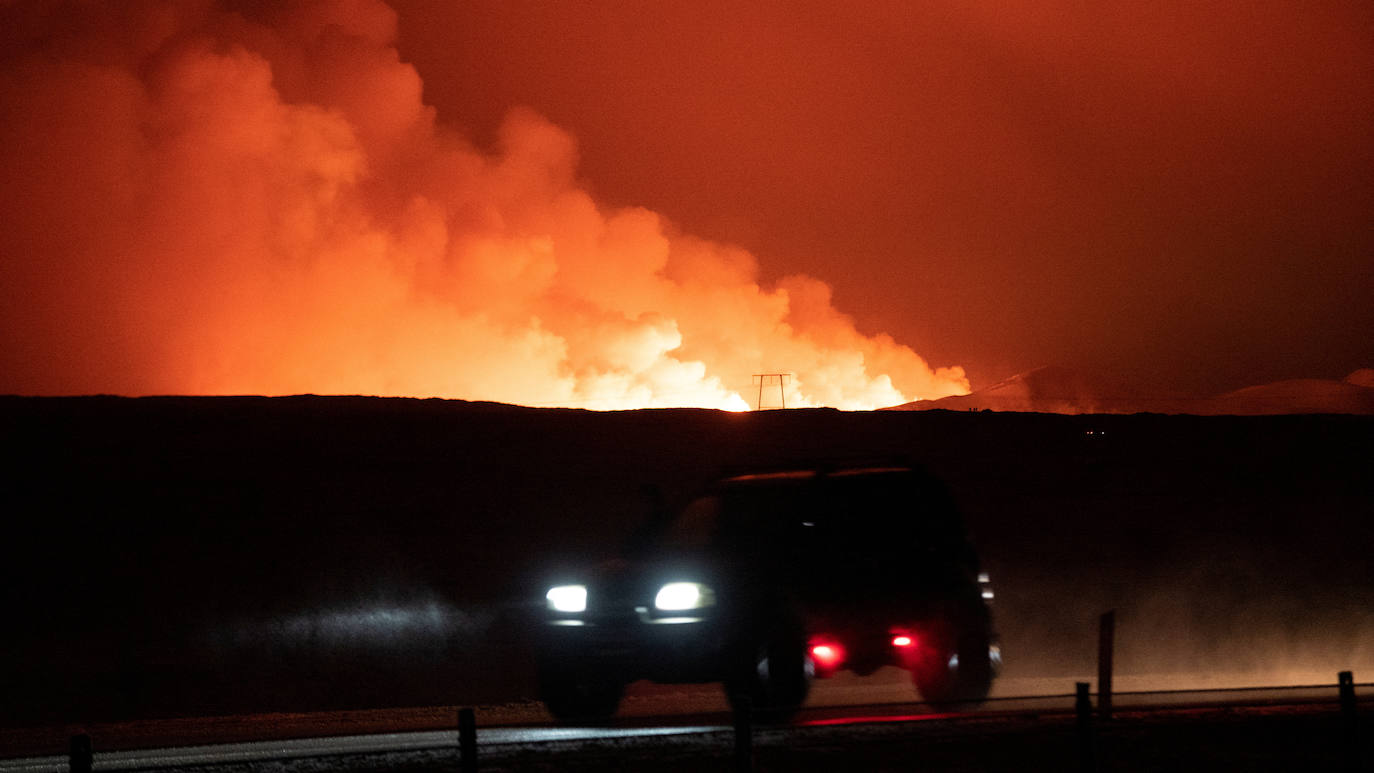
1242,737
171,557
1291,739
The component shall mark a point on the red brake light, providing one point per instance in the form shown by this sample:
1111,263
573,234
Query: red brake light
827,654
902,641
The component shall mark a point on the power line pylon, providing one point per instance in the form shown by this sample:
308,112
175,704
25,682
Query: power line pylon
763,379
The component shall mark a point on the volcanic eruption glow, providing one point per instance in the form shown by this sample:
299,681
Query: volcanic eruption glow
206,202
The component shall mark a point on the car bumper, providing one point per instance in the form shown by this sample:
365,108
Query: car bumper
668,650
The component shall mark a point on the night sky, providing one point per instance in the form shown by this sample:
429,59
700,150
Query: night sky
618,205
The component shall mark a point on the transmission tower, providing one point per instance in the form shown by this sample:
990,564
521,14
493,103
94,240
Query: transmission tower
766,379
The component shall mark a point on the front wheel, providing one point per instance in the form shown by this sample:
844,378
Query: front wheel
577,695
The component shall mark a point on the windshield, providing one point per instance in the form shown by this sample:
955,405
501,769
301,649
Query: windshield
695,526
849,522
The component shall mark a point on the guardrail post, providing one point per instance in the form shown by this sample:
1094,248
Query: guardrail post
1106,633
1083,707
744,734
80,758
467,741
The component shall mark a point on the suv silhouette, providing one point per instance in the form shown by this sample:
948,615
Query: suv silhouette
770,579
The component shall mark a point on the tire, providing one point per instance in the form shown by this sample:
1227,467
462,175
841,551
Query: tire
578,696
773,674
956,670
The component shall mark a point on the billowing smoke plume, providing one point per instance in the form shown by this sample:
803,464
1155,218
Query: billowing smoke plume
203,201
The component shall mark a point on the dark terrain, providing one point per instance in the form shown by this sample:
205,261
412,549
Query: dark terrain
188,556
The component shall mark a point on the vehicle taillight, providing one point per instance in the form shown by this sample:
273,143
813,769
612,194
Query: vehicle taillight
827,655
906,645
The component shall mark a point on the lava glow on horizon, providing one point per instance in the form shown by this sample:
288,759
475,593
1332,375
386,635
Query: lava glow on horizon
205,202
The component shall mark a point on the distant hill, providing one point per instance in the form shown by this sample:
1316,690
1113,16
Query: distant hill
1303,395
1054,389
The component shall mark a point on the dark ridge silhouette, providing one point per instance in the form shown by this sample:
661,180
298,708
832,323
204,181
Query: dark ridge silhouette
1054,389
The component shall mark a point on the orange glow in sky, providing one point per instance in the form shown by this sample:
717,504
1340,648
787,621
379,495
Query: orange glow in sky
591,205
213,202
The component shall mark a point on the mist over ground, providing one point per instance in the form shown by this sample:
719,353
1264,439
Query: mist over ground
174,556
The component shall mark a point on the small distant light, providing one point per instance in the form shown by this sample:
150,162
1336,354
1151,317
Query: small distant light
808,523
987,594
983,577
902,641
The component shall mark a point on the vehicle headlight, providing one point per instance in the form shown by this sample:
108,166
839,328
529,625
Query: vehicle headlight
567,598
677,596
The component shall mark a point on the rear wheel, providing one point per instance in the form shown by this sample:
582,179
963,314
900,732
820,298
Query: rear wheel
578,695
774,674
956,667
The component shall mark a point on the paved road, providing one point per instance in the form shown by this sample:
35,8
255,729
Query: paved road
870,729
393,744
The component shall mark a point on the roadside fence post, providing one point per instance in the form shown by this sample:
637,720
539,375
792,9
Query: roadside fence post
1083,707
80,758
744,734
1106,634
467,741
1349,721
